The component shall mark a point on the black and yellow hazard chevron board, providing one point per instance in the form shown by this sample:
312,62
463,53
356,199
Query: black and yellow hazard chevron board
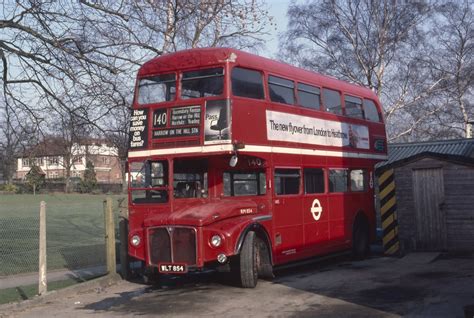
388,212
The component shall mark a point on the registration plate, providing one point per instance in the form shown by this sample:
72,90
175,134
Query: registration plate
172,268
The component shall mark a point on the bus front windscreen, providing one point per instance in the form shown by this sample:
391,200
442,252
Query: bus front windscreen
202,83
157,89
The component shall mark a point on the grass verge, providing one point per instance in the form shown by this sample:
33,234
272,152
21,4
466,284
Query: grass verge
16,294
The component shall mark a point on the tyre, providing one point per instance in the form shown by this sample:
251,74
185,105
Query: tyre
248,269
360,241
124,258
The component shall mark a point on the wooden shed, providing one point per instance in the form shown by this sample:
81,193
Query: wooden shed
434,188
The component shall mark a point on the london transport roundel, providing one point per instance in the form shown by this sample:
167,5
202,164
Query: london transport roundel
316,209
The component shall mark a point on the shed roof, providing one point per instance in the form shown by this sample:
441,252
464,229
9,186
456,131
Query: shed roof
458,148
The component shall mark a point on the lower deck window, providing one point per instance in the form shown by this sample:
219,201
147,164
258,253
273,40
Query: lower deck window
345,180
338,180
190,178
358,180
244,183
287,181
313,180
148,180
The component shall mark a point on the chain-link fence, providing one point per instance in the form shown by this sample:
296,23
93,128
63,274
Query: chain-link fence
18,244
74,231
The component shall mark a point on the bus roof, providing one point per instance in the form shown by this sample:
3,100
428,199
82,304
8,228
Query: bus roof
201,57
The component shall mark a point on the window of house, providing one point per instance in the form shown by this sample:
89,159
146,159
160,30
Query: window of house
247,83
313,180
309,96
52,161
338,180
156,89
29,162
281,90
358,179
202,83
54,174
332,101
25,162
353,107
370,111
287,181
77,160
106,160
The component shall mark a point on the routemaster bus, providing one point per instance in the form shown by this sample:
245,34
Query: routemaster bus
244,163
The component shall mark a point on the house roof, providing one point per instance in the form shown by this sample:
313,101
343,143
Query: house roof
459,149
56,146
51,146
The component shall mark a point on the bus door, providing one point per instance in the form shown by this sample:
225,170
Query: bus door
287,214
316,211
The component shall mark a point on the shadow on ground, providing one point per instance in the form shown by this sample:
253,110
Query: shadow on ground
385,284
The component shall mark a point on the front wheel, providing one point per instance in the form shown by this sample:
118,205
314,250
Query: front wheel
248,269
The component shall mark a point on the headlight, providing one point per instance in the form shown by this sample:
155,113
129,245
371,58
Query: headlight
216,241
135,240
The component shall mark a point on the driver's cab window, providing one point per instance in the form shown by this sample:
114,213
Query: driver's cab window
244,183
148,181
190,178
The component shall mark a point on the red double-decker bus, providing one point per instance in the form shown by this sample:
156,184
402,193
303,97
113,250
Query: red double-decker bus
240,162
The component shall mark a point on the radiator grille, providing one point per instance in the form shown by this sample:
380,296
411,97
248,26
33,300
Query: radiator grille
172,245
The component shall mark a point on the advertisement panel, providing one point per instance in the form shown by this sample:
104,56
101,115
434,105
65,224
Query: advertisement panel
217,122
295,128
138,133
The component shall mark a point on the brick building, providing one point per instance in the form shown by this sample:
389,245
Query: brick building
50,156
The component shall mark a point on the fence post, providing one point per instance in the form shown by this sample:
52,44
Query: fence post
110,237
123,228
42,279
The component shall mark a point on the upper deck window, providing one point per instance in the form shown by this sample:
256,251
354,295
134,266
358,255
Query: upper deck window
281,90
332,101
202,83
156,89
247,83
309,96
353,107
370,111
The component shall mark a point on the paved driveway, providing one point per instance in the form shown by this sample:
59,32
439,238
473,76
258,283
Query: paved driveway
426,285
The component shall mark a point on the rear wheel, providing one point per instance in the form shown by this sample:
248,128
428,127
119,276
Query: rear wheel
249,255
360,241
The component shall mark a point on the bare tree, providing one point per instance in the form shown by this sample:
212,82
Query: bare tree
153,28
79,59
450,56
15,136
372,43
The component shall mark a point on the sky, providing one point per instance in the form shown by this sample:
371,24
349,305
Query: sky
277,9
